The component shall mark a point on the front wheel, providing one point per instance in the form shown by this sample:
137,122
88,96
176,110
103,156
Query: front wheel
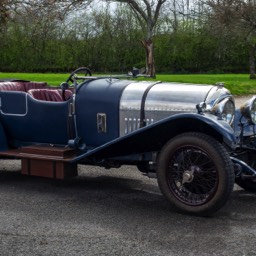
195,173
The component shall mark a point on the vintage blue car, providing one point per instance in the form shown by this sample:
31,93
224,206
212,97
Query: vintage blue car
189,136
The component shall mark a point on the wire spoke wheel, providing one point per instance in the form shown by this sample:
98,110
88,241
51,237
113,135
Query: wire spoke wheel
192,177
195,173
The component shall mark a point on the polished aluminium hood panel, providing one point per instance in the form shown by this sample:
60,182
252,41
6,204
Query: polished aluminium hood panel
162,100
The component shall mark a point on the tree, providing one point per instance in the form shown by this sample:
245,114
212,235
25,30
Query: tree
4,12
33,26
147,13
240,17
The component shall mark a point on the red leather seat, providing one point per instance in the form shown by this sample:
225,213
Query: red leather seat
11,86
21,86
49,94
33,85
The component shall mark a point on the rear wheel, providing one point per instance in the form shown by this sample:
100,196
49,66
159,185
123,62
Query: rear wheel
195,173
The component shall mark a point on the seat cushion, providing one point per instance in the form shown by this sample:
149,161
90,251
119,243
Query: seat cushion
34,85
49,94
12,86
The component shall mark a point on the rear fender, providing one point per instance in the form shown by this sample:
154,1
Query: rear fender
153,137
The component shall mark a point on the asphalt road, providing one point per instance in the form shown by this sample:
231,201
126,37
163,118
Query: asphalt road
114,212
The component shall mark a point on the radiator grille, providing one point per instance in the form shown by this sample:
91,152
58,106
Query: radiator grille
133,124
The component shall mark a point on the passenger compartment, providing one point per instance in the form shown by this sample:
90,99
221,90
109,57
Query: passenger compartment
38,90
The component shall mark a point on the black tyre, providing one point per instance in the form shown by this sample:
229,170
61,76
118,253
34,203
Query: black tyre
195,173
247,185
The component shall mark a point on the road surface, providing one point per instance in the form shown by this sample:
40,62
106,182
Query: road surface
114,212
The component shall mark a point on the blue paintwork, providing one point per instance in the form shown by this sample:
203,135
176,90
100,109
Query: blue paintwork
3,139
245,167
99,96
154,136
30,121
13,102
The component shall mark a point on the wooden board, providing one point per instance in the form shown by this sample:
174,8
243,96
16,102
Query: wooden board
48,168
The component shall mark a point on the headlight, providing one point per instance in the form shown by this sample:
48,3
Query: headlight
225,110
248,110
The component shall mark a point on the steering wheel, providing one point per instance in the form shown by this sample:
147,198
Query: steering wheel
83,70
65,85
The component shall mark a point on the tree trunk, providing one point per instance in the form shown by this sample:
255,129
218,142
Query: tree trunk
150,64
252,53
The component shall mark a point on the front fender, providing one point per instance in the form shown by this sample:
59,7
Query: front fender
245,168
154,136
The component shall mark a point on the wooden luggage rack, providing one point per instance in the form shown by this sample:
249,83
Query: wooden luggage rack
45,161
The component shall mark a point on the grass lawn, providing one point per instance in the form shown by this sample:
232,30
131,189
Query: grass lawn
238,84
52,79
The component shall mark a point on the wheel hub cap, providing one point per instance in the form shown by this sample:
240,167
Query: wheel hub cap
188,177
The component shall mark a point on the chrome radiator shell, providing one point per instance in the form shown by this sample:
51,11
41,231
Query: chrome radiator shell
163,100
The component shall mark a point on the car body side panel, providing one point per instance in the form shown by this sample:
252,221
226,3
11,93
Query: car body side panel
3,139
154,136
102,97
31,121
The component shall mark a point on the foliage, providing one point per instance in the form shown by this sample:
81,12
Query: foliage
239,18
107,39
